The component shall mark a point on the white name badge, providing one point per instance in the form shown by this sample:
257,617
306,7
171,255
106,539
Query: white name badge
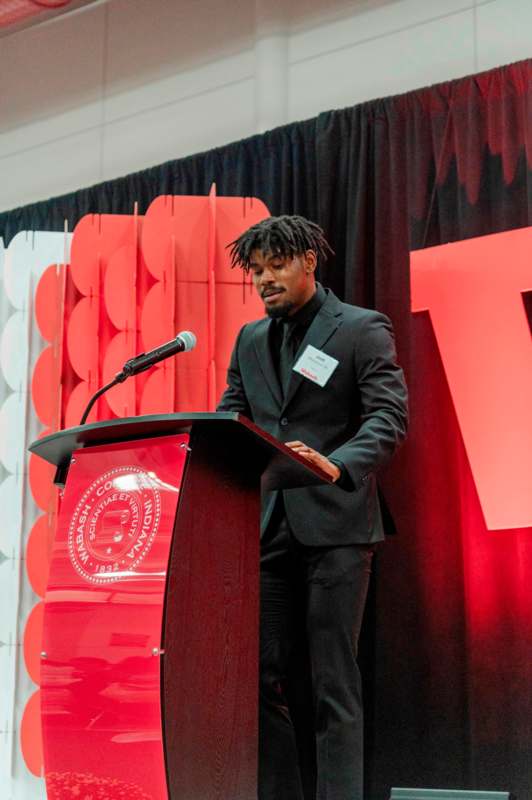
315,365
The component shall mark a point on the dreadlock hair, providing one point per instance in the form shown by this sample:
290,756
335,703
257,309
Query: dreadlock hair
284,236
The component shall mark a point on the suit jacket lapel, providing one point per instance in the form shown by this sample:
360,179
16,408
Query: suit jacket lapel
324,324
261,342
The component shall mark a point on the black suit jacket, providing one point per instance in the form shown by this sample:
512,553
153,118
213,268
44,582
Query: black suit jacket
358,418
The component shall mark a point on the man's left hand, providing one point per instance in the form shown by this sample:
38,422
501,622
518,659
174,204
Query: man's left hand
319,460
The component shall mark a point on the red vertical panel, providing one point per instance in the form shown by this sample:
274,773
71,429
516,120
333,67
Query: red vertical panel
235,306
46,394
233,216
187,237
105,295
192,304
236,300
211,314
473,292
175,246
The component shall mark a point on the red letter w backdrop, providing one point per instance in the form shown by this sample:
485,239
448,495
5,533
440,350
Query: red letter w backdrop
447,650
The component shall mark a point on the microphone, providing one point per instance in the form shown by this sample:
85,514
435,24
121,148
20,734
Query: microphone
182,343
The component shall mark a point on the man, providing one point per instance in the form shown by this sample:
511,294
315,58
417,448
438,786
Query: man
321,376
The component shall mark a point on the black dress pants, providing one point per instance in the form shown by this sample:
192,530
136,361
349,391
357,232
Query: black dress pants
315,596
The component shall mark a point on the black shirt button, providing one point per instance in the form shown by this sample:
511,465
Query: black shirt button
284,422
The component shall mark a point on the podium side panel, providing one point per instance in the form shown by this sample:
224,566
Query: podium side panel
101,665
210,666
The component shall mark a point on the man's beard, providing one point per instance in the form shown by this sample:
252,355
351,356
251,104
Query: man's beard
280,311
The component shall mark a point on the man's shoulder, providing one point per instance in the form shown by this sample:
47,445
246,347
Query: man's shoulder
255,325
249,329
357,315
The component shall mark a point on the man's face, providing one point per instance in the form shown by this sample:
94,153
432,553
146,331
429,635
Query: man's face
284,284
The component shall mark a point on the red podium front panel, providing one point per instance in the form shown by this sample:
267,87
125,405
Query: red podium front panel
100,670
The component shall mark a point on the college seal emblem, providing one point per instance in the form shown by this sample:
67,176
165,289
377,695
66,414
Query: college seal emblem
114,524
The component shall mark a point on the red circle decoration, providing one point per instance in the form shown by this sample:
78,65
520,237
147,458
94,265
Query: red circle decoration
85,254
38,554
33,642
157,324
82,338
96,238
175,236
158,392
121,398
77,403
48,306
31,735
41,476
45,387
156,235
120,288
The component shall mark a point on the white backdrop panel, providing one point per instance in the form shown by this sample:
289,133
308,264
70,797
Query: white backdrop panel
21,265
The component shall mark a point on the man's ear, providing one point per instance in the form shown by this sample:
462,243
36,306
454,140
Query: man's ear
311,261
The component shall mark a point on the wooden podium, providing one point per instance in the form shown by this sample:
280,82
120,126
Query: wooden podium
149,678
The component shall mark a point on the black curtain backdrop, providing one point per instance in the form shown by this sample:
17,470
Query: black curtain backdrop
447,647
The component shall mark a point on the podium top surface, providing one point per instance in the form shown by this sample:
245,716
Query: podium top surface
285,468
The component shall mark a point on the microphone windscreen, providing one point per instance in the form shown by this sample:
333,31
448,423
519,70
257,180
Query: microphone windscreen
189,340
